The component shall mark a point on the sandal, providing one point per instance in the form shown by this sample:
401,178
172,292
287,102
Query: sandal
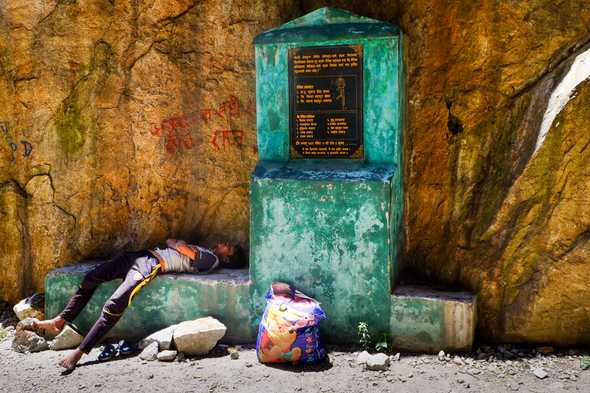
108,352
127,348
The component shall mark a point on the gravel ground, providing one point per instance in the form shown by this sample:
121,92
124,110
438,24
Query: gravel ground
500,369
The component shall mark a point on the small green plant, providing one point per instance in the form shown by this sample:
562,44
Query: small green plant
3,334
383,345
364,336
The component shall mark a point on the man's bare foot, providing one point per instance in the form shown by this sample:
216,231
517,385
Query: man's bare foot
70,361
50,326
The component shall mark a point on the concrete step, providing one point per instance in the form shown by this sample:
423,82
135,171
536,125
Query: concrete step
420,319
167,300
428,320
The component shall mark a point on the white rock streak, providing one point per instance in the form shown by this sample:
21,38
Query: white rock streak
578,73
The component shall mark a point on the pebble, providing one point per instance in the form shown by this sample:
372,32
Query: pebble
377,362
540,373
362,357
167,355
396,357
481,356
441,356
150,352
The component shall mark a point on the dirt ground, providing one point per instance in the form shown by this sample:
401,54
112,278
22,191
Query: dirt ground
38,372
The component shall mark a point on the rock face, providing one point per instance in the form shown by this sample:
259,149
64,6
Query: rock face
198,337
491,205
137,127
140,126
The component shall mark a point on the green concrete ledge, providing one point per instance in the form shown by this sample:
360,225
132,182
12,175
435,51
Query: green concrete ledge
427,320
167,300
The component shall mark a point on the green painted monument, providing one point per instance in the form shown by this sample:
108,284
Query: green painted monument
326,194
326,201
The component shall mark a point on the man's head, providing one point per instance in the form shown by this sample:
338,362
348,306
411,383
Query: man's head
230,256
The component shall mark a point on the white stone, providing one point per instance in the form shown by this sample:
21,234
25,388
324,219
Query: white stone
441,356
24,309
162,337
66,339
198,337
540,373
167,356
378,362
396,357
150,352
362,357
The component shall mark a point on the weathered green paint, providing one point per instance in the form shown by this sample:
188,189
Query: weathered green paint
167,300
325,230
426,320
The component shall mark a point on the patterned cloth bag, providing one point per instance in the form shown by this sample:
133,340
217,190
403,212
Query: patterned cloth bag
289,329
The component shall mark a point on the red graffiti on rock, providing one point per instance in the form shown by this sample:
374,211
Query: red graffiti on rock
223,139
176,133
176,130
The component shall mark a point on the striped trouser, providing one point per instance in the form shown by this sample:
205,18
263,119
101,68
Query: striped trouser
136,270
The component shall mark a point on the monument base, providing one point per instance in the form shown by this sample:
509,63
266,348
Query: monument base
327,229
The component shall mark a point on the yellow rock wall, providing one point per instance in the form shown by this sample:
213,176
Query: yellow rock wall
125,122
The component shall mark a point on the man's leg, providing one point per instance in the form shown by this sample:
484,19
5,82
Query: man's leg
115,268
142,271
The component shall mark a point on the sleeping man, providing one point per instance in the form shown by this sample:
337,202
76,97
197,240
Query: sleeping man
136,269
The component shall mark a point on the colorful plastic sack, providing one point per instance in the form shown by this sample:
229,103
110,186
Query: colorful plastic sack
289,330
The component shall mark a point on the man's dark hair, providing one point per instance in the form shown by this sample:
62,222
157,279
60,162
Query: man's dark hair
238,260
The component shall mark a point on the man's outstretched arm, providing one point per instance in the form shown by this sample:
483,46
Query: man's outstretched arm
181,247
